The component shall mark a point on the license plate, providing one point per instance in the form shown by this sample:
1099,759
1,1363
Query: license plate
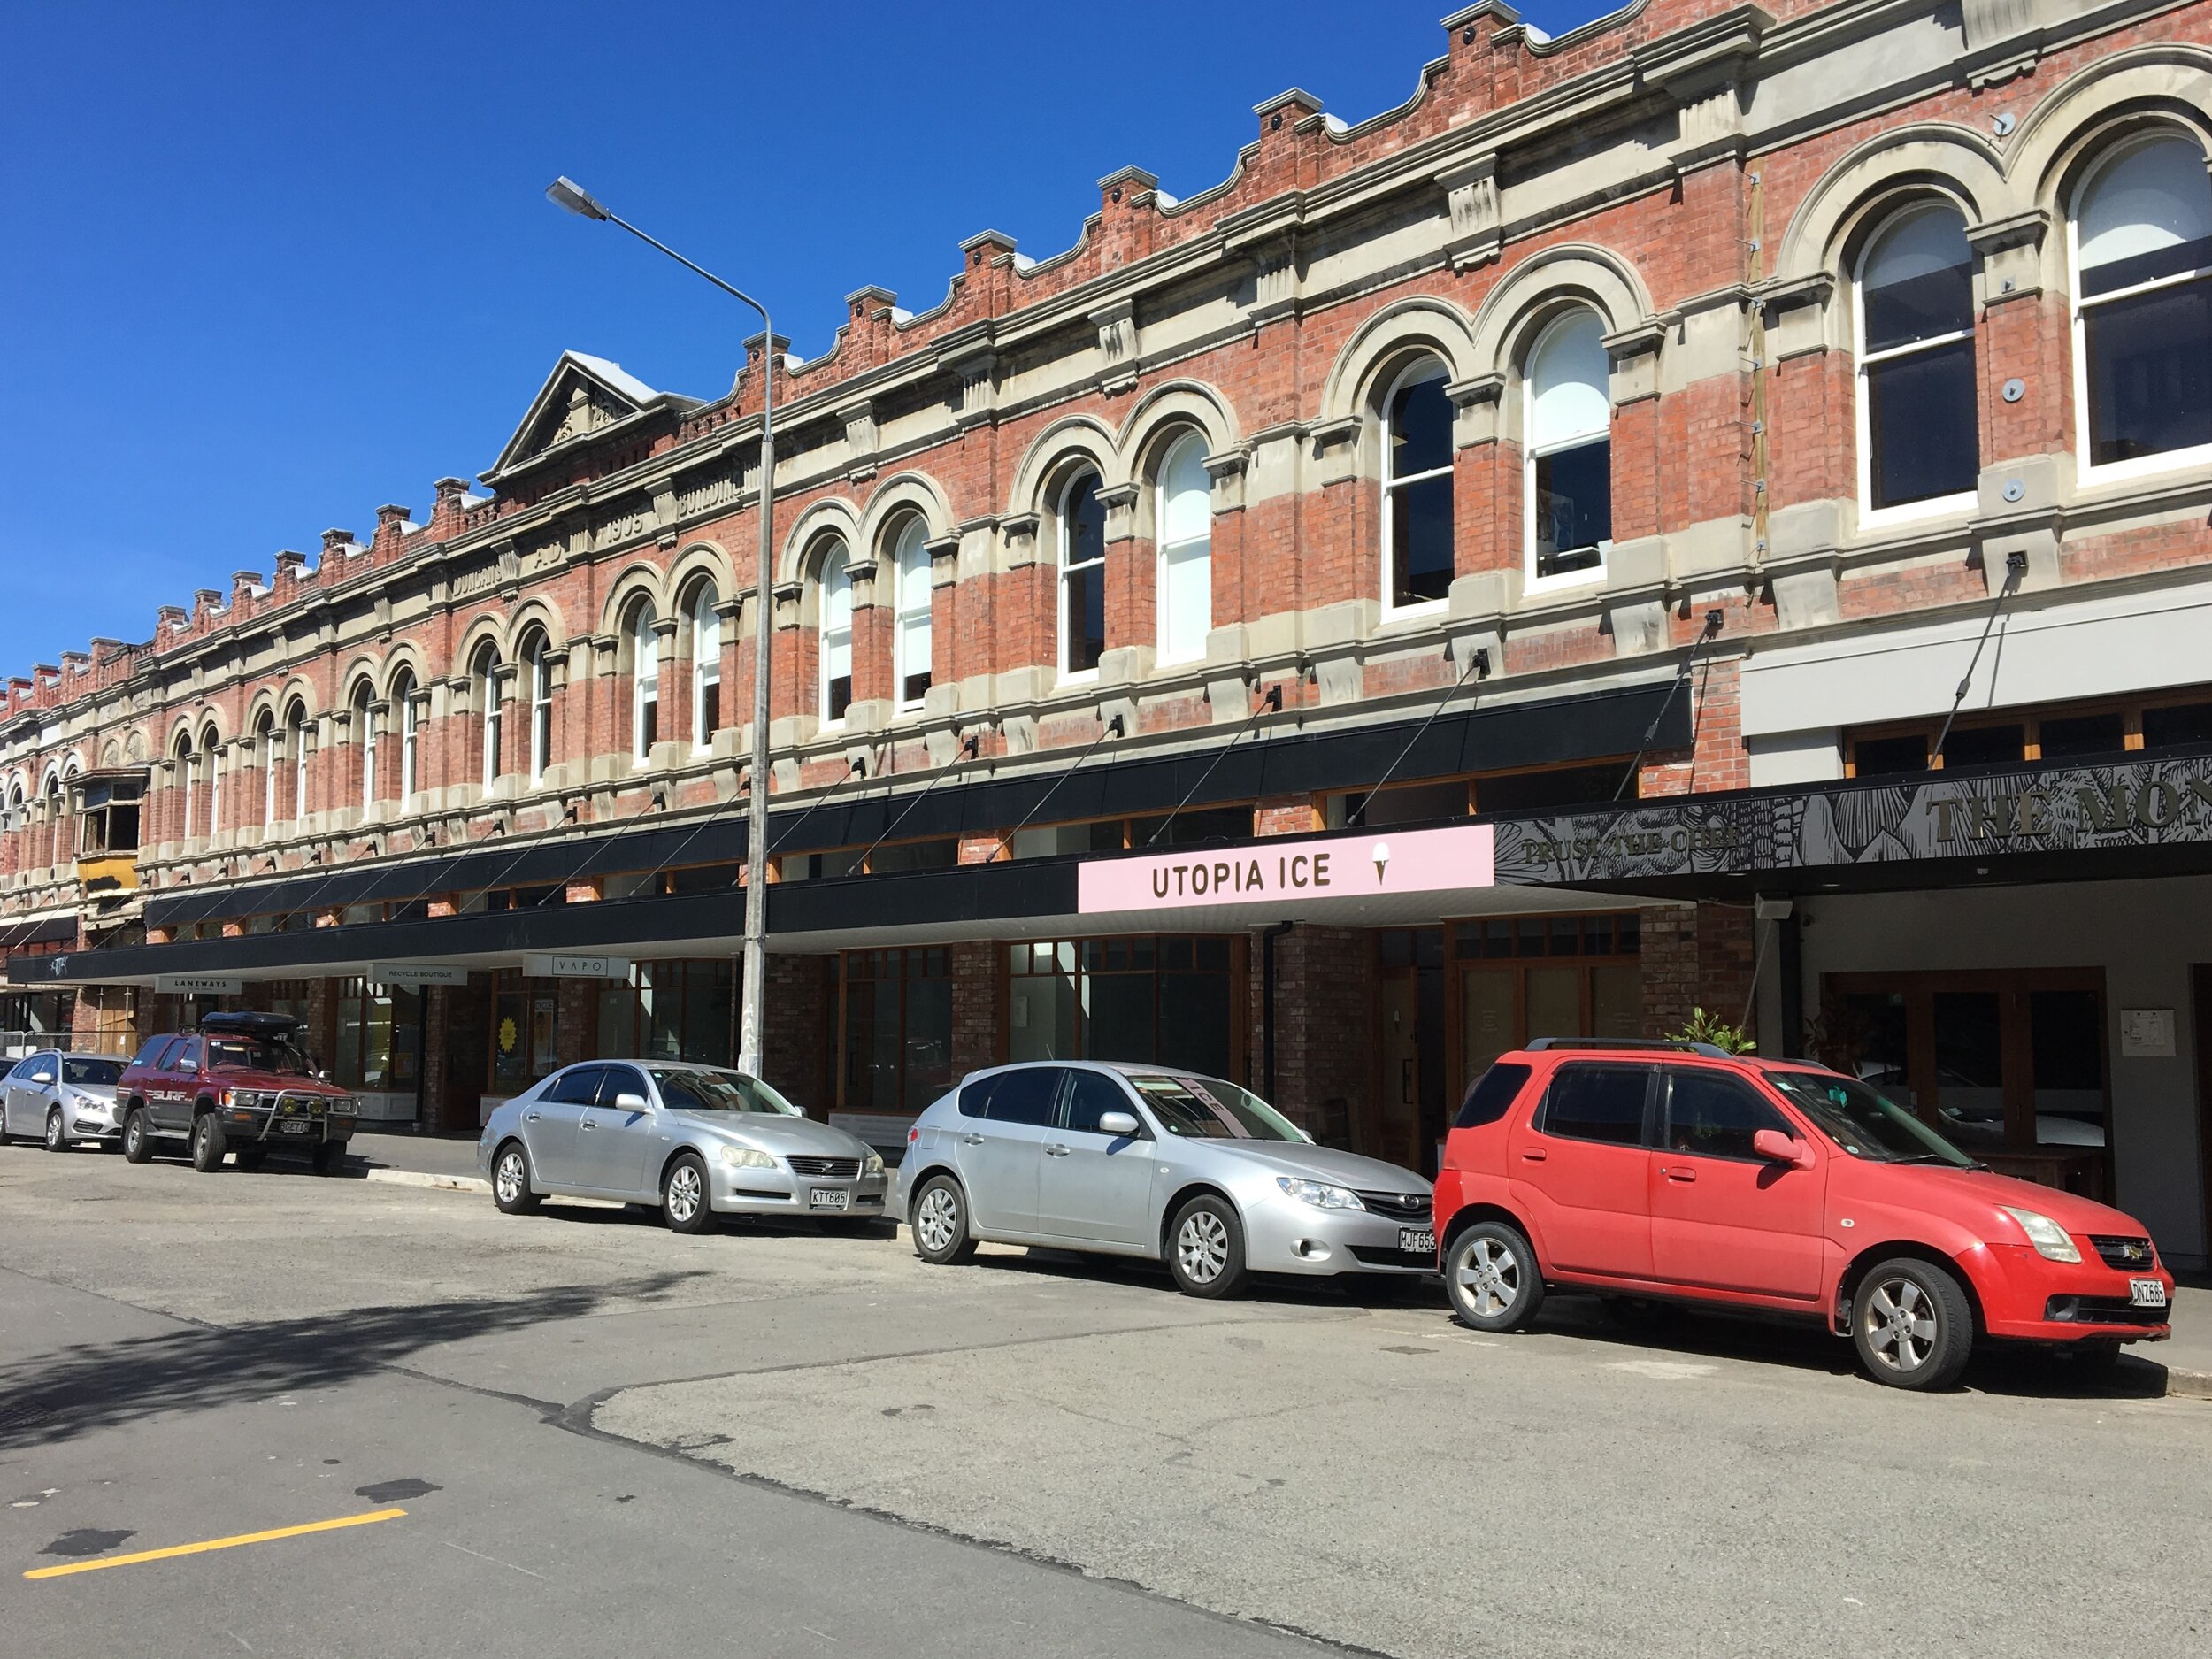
293,1126
2146,1292
1415,1241
828,1198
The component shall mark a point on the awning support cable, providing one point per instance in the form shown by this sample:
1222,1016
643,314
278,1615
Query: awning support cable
1479,665
968,748
1272,702
2015,567
1113,729
1713,620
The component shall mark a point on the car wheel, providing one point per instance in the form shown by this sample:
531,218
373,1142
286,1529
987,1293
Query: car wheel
939,1222
330,1157
1205,1248
510,1181
207,1144
1911,1324
138,1146
684,1202
57,1137
1492,1275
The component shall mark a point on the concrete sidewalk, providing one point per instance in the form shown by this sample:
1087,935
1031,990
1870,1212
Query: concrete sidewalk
2187,1354
418,1155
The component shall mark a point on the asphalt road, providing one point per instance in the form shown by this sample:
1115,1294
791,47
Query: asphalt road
603,1435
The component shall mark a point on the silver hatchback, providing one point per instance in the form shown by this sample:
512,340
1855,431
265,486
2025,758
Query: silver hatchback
698,1141
1148,1161
62,1099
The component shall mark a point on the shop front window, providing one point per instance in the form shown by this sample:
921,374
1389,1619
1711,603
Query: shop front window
1156,1000
669,1010
897,1029
380,1038
1524,977
525,1030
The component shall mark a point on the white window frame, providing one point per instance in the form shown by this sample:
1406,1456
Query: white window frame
272,754
645,688
1423,368
365,711
706,663
1531,453
491,717
541,710
1062,570
1871,516
1192,440
299,762
404,695
188,767
214,753
2141,465
909,618
836,561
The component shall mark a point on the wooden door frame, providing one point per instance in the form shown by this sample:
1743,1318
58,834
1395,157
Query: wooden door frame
2200,1036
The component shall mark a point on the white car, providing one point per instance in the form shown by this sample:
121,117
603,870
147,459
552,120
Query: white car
62,1099
697,1140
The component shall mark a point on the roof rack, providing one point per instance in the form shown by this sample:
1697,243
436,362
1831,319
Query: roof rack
1673,1045
233,1021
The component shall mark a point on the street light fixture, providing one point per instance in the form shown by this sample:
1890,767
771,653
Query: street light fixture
567,193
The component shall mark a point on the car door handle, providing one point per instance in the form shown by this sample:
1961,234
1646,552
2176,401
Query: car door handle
532,1117
1056,1150
971,1140
1676,1173
589,1124
1534,1155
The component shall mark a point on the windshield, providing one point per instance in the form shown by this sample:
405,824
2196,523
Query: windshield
91,1073
1864,1123
257,1054
1207,1108
687,1090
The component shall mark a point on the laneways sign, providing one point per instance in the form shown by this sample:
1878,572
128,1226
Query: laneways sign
1364,865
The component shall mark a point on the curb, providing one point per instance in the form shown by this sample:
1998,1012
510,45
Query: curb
2194,1385
459,1184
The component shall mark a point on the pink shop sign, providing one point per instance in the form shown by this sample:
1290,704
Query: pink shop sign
1367,864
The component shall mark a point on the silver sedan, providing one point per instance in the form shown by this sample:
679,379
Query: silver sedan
61,1099
1148,1161
697,1141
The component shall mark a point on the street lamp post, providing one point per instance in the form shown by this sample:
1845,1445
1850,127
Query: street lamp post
567,193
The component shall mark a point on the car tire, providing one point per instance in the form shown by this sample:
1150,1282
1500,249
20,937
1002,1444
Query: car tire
1205,1248
686,1203
1493,1278
138,1146
1912,1324
510,1181
330,1157
57,1136
938,1218
208,1144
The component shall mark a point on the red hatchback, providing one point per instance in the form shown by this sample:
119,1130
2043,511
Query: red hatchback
1673,1172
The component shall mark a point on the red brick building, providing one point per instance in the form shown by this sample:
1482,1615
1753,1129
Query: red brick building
1611,462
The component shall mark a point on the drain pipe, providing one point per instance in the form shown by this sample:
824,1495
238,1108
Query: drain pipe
1268,936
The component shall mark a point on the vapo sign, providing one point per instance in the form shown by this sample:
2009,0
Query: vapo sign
1363,866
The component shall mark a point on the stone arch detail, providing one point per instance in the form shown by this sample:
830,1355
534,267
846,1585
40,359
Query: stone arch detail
905,492
1066,442
801,546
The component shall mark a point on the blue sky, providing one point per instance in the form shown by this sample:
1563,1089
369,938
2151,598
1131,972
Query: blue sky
267,266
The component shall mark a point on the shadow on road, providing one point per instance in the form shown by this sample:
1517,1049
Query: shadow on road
60,1395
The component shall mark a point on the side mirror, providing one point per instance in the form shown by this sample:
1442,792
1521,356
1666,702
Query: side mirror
42,1076
1775,1146
1121,1125
629,1103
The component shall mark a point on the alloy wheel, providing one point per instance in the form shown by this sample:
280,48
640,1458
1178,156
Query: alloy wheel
53,1130
683,1194
508,1177
936,1219
1490,1278
1201,1247
1899,1319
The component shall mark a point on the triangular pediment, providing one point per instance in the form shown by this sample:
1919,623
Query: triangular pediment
582,398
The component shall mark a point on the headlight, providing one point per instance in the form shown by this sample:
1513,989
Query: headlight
242,1097
2046,1235
1320,1194
872,1165
748,1158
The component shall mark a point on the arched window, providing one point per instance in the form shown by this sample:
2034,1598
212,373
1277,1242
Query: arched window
1082,576
364,735
645,682
267,740
188,782
1919,438
706,666
837,632
404,703
2143,313
1184,515
538,653
911,641
484,686
211,757
295,735
1568,482
1416,509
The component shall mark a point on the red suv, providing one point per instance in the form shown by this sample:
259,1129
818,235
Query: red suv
1676,1173
242,1083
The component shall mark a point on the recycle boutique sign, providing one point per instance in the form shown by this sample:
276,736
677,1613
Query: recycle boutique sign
2031,809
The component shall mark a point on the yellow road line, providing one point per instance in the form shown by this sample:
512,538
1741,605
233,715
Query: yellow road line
215,1543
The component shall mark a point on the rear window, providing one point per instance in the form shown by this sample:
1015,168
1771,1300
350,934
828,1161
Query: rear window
1493,1091
89,1072
1024,1096
1598,1102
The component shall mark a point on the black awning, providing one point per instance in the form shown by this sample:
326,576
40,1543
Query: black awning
46,930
